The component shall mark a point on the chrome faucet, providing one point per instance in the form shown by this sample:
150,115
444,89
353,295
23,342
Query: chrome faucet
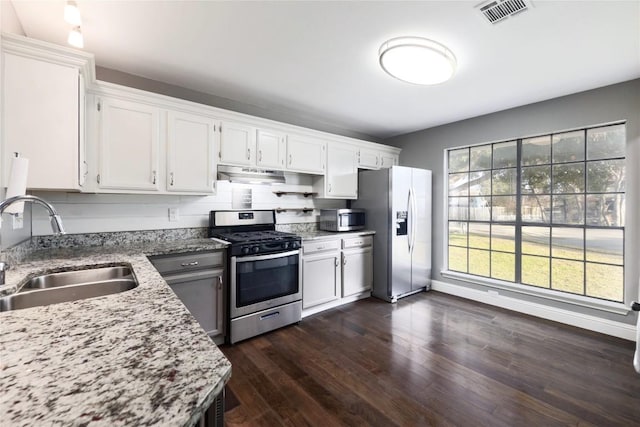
56,221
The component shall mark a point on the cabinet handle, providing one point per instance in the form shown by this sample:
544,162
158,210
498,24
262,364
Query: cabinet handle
153,179
377,159
189,264
329,188
171,175
259,155
344,260
248,153
290,159
337,263
219,283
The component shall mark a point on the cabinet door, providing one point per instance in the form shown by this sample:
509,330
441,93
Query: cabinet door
357,271
41,121
271,149
306,154
320,279
190,153
368,159
342,172
203,297
129,144
388,160
237,144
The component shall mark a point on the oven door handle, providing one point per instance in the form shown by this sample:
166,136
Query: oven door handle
265,257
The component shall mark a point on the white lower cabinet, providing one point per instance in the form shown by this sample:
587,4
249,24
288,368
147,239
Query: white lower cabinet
336,271
320,272
357,270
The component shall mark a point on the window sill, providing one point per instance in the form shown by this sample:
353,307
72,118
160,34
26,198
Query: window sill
608,306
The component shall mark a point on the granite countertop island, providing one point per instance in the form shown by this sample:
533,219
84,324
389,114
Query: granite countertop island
137,358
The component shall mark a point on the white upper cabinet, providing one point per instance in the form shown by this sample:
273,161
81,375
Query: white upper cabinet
190,153
129,134
305,154
387,160
237,144
341,180
271,149
368,159
42,121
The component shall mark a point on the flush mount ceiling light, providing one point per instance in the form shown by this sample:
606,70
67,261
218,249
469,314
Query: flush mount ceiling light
75,38
72,13
417,60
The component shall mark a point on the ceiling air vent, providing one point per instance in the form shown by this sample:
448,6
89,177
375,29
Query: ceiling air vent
497,10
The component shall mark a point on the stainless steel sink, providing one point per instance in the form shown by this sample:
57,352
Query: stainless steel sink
68,286
75,277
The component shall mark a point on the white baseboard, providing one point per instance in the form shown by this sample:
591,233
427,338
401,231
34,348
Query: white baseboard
580,320
333,304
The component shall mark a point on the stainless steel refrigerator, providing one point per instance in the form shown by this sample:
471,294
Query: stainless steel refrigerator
398,205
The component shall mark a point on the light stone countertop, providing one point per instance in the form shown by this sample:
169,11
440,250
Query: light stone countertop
326,235
137,358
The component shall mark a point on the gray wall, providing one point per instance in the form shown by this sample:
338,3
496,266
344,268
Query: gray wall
279,114
425,149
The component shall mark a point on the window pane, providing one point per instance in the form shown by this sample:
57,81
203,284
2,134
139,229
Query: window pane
458,208
567,243
536,209
458,233
568,147
458,184
605,245
536,180
606,210
479,263
535,271
480,183
457,259
479,209
479,235
481,157
567,276
605,281
505,155
503,266
535,240
503,238
459,160
568,209
606,142
536,151
568,178
503,208
606,176
504,181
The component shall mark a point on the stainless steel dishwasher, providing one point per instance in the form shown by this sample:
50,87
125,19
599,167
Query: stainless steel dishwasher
198,278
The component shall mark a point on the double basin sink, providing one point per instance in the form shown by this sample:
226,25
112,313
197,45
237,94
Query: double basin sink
68,286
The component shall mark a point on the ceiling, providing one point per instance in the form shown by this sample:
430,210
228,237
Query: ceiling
319,59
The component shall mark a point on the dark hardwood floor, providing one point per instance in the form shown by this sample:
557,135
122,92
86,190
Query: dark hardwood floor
431,359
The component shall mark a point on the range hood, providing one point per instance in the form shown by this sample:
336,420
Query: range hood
242,175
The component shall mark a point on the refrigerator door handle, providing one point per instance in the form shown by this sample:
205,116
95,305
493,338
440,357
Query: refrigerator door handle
409,220
414,214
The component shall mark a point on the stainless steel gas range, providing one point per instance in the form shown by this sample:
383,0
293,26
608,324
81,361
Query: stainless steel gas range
265,272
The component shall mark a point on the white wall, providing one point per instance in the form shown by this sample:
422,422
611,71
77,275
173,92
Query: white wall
91,213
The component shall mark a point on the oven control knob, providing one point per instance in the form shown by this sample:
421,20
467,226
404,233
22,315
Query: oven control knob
255,249
245,250
295,245
285,245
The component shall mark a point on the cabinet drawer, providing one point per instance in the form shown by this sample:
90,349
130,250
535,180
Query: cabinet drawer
357,242
320,246
187,261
